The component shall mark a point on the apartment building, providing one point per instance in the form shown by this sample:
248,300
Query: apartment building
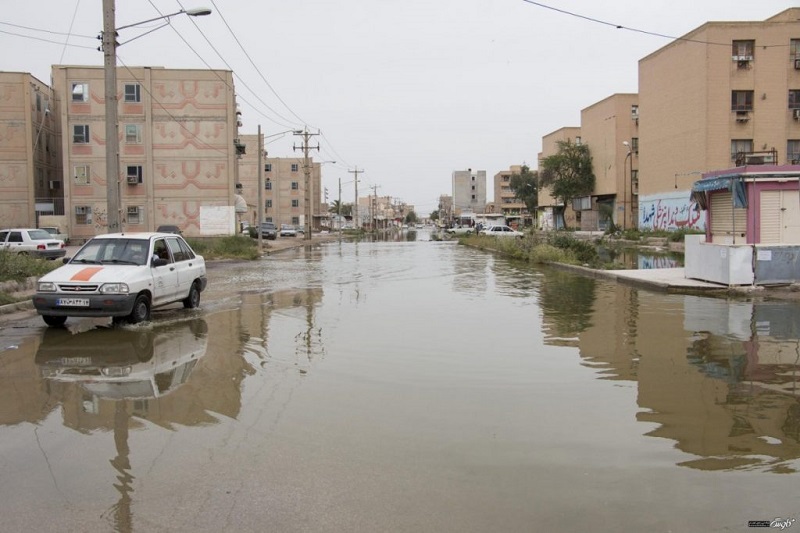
285,190
552,214
610,129
505,200
723,95
469,191
30,154
178,149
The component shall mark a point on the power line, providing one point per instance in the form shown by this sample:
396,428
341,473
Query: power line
51,32
636,30
47,40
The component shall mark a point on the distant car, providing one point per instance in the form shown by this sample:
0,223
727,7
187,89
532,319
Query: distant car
55,233
169,229
32,241
124,276
502,231
300,229
269,231
460,230
288,231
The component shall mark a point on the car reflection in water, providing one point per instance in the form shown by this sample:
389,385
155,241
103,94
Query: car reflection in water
124,363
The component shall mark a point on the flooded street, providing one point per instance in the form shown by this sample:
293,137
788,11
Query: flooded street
405,385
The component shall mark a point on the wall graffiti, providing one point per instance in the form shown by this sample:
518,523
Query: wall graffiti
671,214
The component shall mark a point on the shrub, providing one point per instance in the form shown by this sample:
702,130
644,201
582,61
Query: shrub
584,252
232,247
17,267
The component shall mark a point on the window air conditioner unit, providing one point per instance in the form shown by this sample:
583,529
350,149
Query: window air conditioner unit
133,180
57,184
796,114
742,116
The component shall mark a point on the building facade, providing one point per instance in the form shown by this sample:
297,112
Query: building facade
610,129
725,94
469,191
178,149
551,212
284,190
30,152
505,200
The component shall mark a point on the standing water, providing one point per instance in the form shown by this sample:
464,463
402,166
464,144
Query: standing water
406,386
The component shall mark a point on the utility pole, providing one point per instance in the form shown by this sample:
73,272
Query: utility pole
339,209
307,175
112,127
260,188
356,221
374,206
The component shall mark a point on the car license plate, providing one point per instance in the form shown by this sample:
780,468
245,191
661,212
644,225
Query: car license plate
72,302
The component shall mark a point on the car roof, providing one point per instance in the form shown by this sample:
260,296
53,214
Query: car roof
19,229
134,235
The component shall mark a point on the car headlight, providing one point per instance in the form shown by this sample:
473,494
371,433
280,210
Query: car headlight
46,286
114,288
116,371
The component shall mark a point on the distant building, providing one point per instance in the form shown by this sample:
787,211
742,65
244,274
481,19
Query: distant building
178,149
552,213
505,200
30,153
469,191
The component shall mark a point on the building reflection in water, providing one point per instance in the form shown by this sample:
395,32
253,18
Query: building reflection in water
718,377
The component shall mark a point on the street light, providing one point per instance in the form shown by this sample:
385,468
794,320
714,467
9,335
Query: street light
627,145
109,39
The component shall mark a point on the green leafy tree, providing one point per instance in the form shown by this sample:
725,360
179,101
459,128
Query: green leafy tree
434,216
411,218
347,209
568,173
525,187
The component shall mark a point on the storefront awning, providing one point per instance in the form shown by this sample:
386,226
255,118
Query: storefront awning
734,184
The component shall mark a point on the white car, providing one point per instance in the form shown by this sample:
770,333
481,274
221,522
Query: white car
288,231
502,231
123,276
30,241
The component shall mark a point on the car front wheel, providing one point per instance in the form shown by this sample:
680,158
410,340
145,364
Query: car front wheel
54,321
193,300
141,310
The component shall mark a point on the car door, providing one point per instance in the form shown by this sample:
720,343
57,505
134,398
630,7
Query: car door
183,267
3,237
16,242
165,277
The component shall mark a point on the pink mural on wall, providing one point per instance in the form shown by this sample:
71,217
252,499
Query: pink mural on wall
189,91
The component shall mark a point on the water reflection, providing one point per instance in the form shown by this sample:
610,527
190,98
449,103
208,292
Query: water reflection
718,377
635,258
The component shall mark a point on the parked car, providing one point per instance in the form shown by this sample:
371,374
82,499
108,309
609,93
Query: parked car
460,230
32,241
168,228
269,231
288,231
300,229
55,233
500,230
123,276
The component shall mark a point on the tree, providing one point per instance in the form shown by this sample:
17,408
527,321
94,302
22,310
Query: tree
525,187
568,173
411,218
434,215
347,209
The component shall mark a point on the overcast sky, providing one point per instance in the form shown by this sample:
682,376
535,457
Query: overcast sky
408,91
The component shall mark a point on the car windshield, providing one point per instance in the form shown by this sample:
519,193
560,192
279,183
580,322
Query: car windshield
39,235
113,251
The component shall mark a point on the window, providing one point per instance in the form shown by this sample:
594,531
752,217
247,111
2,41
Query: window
268,204
175,247
794,99
473,197
741,100
15,236
38,102
268,185
40,174
294,167
635,145
80,92
132,92
506,178
634,111
133,133
295,203
295,186
743,52
134,215
794,52
80,134
134,174
296,221
740,147
268,167
473,187
83,214
578,141
81,173
793,151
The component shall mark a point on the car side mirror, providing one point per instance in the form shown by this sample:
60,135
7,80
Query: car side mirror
159,262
